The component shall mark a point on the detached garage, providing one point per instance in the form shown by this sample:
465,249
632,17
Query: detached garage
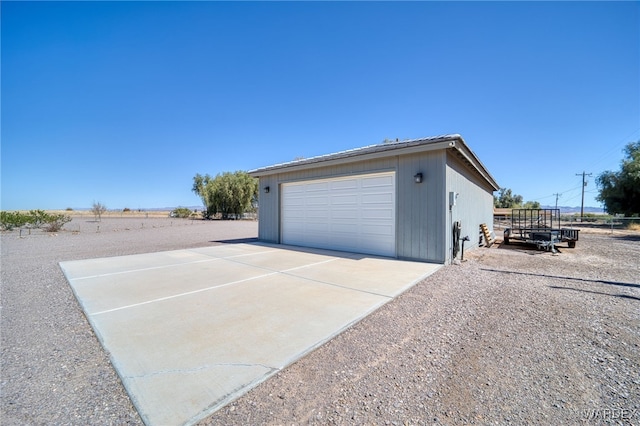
399,199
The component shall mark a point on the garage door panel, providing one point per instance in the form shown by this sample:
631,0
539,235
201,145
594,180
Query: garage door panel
345,214
385,230
296,202
353,214
344,183
316,200
385,198
317,187
387,180
294,214
318,215
344,228
377,214
342,200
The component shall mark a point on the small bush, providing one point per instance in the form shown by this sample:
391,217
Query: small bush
35,218
126,210
181,212
55,222
11,220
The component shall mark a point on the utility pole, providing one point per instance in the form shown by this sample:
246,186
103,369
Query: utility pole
557,195
584,183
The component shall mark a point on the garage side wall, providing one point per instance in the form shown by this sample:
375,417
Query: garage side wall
474,204
420,211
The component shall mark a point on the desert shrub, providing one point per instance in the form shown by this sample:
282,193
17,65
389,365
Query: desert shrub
591,217
37,218
55,222
126,209
11,220
181,212
69,209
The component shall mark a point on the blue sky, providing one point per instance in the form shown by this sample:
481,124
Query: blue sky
124,103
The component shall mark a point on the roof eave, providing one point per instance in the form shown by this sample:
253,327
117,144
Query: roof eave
445,142
464,150
349,156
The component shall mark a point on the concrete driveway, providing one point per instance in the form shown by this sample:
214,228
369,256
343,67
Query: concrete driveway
188,331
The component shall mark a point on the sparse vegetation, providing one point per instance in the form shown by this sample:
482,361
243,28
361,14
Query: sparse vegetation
126,210
97,209
55,222
37,218
181,212
11,220
34,219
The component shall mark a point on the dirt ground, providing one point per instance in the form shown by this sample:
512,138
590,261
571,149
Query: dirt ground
510,335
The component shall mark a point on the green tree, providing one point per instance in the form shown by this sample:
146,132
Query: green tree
506,199
228,194
531,205
620,191
202,186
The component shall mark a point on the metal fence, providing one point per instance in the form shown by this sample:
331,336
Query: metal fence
569,221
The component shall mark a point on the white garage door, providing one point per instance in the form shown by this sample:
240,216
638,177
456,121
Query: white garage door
355,213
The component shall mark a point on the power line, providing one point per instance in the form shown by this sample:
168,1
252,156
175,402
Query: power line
553,195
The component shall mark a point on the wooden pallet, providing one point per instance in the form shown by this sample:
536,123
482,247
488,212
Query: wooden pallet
487,235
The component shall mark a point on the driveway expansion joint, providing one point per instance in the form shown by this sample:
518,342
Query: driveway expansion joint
269,369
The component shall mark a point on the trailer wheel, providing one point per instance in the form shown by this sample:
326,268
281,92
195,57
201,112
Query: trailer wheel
572,244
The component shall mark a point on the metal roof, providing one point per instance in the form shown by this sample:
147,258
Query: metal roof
450,141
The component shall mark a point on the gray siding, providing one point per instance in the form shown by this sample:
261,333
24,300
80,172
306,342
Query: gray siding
474,204
269,212
420,212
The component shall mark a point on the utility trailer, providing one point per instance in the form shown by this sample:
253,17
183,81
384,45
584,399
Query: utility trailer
540,227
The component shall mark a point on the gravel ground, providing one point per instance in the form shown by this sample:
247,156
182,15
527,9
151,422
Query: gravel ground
510,336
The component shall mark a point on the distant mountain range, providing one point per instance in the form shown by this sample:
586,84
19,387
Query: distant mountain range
569,210
167,209
146,209
563,209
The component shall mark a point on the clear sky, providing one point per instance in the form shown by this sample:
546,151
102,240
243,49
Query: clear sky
124,102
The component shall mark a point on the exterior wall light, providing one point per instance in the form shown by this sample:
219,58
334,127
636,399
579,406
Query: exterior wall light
266,189
418,178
